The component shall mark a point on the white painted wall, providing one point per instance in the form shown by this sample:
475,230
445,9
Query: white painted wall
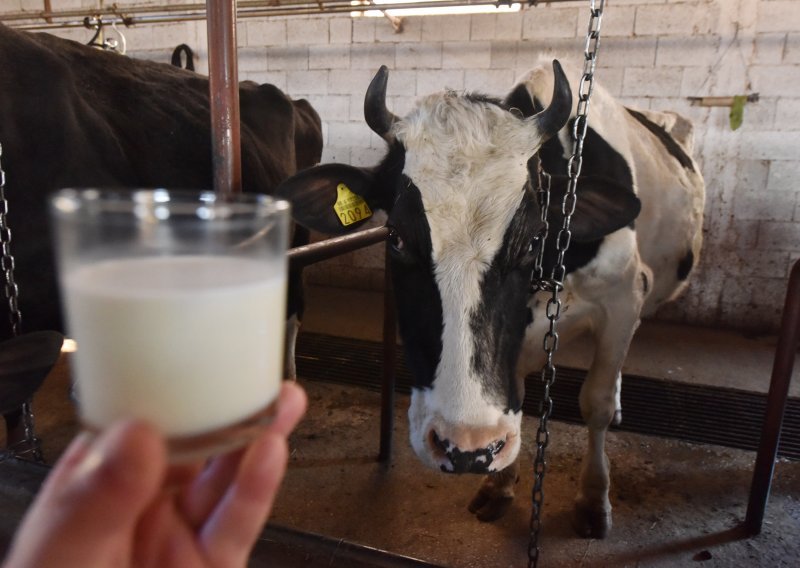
654,54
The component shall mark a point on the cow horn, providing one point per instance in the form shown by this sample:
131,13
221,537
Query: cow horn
554,117
378,117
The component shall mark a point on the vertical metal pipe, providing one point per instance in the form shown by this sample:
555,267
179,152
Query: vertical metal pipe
776,404
389,348
224,96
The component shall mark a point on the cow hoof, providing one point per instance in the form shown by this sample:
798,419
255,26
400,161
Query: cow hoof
489,506
591,523
617,420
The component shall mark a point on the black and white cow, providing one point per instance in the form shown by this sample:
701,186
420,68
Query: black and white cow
456,184
73,116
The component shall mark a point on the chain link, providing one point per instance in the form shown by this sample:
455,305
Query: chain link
543,197
556,282
30,444
7,259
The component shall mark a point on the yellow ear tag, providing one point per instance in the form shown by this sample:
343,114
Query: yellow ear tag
349,207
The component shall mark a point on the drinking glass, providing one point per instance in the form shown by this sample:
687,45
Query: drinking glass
177,303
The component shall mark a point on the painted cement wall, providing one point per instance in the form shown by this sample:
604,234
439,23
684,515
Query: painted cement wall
654,54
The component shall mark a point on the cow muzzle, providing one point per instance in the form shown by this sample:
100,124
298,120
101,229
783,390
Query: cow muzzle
458,461
463,449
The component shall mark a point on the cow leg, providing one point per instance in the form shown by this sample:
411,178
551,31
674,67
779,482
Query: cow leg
599,405
289,365
495,494
617,420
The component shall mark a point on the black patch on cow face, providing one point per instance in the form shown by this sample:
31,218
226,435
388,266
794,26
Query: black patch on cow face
498,323
675,150
419,305
685,265
645,282
388,182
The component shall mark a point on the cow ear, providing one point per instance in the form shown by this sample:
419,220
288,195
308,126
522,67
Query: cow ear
602,207
332,199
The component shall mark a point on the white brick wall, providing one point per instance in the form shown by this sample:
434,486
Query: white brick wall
654,54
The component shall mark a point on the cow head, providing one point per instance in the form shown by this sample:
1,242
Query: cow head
466,226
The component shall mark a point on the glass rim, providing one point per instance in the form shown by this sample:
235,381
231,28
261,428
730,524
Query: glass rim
69,200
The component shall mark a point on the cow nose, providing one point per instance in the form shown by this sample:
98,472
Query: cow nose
454,460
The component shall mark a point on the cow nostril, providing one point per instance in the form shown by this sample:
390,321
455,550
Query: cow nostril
495,447
438,443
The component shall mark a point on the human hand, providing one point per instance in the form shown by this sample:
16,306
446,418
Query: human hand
105,503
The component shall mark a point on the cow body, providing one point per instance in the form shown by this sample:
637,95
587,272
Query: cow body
72,116
466,231
613,283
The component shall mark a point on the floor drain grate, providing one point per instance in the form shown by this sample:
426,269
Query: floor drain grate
712,415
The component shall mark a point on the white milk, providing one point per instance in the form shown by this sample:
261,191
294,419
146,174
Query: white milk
189,343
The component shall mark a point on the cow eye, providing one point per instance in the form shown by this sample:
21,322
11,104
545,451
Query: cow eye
533,248
537,240
396,241
399,249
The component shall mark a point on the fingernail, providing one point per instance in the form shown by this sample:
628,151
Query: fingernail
75,451
99,451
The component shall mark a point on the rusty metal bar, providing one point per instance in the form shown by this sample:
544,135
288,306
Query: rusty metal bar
389,347
323,250
224,97
788,341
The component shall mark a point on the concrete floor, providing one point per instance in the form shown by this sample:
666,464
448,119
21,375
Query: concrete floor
675,503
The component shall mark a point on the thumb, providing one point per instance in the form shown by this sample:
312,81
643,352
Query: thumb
87,511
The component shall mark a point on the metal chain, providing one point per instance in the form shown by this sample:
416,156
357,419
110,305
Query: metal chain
7,259
543,197
556,281
15,316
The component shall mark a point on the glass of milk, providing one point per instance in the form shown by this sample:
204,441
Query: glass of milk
177,303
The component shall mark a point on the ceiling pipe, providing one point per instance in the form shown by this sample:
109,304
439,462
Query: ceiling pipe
133,15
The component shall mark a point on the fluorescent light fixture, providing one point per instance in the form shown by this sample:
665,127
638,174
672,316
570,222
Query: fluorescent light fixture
436,11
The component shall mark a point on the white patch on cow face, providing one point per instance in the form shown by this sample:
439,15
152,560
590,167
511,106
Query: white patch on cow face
468,159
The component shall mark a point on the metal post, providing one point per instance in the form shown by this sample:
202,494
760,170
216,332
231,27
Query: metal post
224,96
389,347
776,404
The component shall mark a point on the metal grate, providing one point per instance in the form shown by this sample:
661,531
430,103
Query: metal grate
705,414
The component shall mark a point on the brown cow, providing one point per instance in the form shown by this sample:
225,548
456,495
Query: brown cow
73,116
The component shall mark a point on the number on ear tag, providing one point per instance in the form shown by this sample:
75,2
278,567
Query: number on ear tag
350,208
